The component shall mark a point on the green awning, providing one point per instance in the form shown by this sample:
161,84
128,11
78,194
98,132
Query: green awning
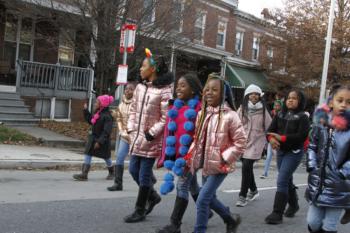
242,77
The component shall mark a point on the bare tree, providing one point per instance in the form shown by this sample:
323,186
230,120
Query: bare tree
303,26
160,23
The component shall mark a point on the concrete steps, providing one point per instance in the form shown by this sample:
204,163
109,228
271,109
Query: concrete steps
13,111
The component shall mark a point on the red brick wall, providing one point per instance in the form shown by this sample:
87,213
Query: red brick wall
30,102
77,109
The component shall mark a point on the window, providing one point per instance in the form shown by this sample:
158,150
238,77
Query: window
256,45
66,46
199,26
25,38
239,43
149,11
221,36
270,56
178,11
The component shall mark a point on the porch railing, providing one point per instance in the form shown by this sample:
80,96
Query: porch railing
53,79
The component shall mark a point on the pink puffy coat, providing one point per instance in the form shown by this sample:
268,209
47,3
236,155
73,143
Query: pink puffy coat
148,114
218,146
256,134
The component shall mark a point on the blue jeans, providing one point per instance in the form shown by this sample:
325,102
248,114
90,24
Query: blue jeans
88,158
325,218
123,151
186,183
141,170
287,163
207,199
268,160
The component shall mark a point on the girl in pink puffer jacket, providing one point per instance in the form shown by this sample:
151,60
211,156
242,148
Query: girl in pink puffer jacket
219,142
145,127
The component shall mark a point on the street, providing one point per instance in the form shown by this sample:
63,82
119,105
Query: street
51,202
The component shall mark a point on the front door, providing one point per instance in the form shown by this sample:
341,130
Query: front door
18,44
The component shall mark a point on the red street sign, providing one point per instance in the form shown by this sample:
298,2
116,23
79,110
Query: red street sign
127,31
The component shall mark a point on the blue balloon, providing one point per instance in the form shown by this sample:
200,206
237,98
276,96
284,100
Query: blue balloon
192,103
190,114
189,126
183,150
169,164
179,171
168,177
185,140
172,127
178,103
173,113
170,151
170,141
166,187
180,162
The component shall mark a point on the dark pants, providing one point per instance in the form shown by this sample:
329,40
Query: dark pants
287,163
141,170
248,180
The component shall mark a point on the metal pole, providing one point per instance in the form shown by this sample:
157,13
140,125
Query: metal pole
119,94
327,53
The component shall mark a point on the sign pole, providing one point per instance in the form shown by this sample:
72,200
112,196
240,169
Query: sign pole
327,53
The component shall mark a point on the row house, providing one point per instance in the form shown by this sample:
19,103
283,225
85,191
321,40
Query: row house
45,64
229,41
43,68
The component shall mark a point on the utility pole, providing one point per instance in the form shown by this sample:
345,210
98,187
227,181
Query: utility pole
327,53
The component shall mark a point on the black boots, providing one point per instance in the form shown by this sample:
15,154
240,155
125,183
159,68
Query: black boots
311,231
140,208
110,175
293,205
118,179
176,217
232,223
153,200
276,217
83,176
346,217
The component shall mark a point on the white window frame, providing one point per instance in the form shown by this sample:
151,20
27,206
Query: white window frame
61,46
224,22
203,14
239,51
256,46
181,22
153,17
269,52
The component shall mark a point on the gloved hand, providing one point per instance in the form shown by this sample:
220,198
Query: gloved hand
149,137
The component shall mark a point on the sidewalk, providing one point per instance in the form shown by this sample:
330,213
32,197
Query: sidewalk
49,138
36,157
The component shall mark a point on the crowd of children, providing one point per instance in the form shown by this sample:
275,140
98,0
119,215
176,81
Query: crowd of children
188,128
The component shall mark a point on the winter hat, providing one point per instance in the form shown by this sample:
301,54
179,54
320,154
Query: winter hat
252,88
105,100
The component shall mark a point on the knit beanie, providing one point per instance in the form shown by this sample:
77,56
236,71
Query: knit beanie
252,88
105,100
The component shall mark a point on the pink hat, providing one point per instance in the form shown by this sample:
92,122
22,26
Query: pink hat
105,100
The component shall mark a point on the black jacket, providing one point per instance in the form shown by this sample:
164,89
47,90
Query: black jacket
101,133
295,126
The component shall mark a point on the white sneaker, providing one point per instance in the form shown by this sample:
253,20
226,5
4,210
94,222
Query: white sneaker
263,177
242,201
251,196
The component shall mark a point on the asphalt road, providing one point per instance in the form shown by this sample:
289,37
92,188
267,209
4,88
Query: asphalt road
51,202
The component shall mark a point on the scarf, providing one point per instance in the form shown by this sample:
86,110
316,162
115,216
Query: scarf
252,108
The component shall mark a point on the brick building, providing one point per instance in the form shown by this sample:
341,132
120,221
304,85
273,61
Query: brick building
45,63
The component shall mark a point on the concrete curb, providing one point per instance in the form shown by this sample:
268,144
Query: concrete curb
73,164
